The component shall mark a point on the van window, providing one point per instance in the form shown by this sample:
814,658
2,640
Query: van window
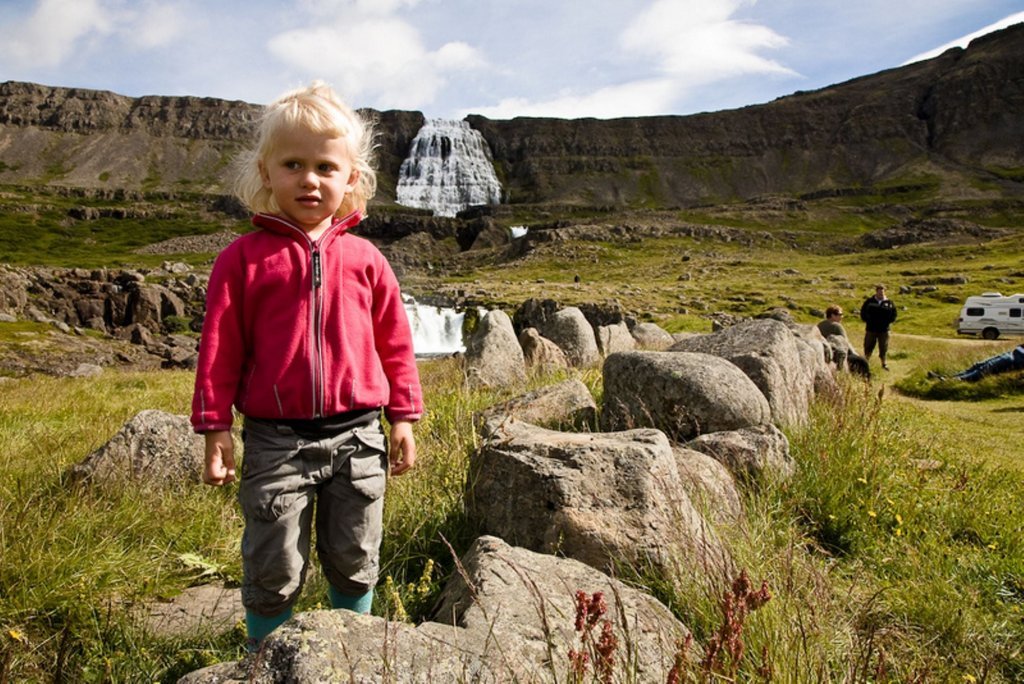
1015,313
975,311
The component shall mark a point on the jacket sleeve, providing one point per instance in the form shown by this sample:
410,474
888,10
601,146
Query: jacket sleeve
221,347
393,340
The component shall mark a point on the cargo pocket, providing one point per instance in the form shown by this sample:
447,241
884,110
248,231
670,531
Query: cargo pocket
267,505
369,463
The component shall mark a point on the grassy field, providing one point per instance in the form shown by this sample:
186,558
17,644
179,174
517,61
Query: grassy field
893,551
894,555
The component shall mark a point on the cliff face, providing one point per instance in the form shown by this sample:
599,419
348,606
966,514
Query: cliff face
959,117
962,112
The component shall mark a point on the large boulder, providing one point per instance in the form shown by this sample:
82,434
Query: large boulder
154,447
652,337
527,601
493,356
753,454
541,354
815,355
711,486
682,394
768,352
614,338
605,499
570,330
567,404
508,615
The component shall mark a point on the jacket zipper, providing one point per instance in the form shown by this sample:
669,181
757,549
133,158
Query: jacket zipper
318,351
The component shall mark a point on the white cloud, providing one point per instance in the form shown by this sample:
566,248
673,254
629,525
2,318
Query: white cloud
52,33
61,31
638,98
696,41
685,43
374,60
964,40
155,25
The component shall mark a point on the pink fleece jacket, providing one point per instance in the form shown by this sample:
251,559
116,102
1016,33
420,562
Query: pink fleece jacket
302,329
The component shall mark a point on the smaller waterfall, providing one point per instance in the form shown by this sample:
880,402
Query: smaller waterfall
448,169
436,330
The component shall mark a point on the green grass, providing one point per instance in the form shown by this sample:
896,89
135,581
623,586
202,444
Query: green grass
41,232
889,551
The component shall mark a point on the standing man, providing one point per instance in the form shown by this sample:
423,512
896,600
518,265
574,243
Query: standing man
878,313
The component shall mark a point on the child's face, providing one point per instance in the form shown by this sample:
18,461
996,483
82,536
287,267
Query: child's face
309,175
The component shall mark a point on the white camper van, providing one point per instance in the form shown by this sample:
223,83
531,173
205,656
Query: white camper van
991,315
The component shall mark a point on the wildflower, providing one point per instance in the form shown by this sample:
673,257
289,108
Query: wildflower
578,662
872,514
606,646
992,546
862,480
970,678
17,635
899,519
680,662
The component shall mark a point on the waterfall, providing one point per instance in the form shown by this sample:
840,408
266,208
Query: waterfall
448,169
435,330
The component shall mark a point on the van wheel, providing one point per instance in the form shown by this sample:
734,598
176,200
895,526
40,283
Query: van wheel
990,333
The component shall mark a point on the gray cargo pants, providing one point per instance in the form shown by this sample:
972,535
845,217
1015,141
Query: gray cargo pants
282,475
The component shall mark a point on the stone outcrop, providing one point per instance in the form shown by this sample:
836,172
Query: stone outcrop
601,498
541,354
567,404
652,337
154,448
493,355
769,353
570,330
509,615
752,454
614,338
158,316
682,394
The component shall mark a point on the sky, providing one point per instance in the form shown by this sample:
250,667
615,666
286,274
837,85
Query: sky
498,58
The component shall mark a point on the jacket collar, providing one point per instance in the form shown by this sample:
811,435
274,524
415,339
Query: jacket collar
282,226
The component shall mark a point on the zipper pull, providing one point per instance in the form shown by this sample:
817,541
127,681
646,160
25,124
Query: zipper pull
316,269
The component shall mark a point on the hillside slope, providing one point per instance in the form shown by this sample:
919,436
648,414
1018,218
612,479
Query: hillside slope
955,122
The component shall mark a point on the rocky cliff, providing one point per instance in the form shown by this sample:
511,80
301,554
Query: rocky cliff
955,119
960,114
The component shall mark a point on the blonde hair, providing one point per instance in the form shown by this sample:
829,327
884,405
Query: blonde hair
318,109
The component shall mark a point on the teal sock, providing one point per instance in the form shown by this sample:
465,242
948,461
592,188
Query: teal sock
258,627
357,604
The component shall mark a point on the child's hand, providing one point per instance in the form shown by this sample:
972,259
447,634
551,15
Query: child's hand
402,453
219,466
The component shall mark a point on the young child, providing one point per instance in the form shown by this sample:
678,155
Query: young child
306,334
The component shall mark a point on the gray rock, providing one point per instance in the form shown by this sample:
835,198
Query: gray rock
86,370
567,404
711,486
614,338
682,394
527,601
604,499
207,608
154,447
752,454
570,330
652,336
768,352
493,355
508,615
541,354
